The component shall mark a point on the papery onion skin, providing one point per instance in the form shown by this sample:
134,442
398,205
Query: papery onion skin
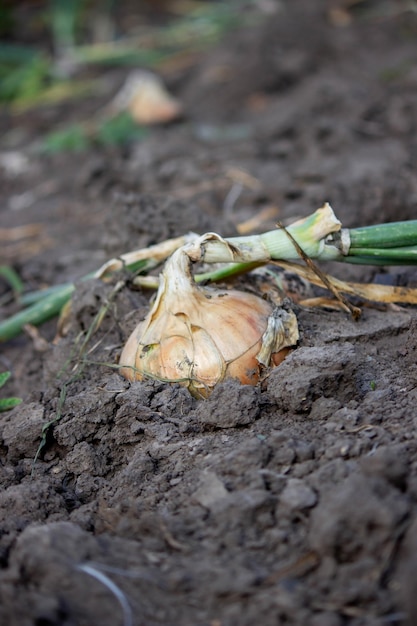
199,336
217,338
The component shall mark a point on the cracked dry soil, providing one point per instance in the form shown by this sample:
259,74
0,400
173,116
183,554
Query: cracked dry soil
294,502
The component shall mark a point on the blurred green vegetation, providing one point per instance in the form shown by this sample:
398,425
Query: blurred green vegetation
79,137
52,70
26,71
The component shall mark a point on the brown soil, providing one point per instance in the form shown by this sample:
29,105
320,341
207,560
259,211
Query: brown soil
291,503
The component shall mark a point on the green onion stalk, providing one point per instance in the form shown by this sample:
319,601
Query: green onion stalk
320,237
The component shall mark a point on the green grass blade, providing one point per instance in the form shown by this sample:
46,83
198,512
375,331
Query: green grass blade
4,377
13,278
9,403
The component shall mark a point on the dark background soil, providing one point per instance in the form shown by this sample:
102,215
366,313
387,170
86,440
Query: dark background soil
292,503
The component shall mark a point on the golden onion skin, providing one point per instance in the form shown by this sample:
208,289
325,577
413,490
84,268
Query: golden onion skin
199,336
211,337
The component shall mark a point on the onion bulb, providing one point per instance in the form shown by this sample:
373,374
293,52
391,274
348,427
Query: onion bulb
199,336
146,98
